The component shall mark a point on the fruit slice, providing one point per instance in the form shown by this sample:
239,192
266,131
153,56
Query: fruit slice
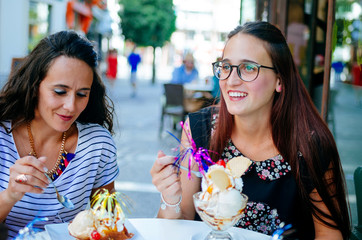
220,178
238,165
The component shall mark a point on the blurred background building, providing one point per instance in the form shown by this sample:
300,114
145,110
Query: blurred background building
201,28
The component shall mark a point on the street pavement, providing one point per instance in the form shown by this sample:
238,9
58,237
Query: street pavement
136,136
137,124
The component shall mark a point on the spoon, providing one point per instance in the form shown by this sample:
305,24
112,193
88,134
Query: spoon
197,174
62,199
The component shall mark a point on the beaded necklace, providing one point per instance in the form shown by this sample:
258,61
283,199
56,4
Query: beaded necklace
63,158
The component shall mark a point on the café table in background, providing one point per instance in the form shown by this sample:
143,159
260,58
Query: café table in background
199,86
196,95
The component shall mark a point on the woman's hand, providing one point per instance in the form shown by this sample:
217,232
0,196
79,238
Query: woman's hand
26,175
173,185
166,179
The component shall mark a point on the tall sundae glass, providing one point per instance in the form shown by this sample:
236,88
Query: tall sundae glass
221,202
219,216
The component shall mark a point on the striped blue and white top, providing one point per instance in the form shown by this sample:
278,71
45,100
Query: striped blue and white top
94,165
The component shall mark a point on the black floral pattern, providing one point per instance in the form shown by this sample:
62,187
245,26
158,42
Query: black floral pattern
259,217
273,168
270,169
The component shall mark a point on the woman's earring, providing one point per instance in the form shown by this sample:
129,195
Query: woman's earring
279,86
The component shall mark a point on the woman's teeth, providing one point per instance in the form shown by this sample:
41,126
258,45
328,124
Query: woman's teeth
237,94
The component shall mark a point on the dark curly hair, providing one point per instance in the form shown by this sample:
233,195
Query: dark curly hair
19,96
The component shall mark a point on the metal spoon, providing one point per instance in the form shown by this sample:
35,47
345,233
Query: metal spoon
62,199
197,174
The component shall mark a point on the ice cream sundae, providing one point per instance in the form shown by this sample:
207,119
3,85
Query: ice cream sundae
103,221
221,201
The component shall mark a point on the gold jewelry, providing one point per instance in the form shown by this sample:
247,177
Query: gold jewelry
60,156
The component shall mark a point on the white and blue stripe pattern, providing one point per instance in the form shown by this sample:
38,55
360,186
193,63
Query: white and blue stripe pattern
94,165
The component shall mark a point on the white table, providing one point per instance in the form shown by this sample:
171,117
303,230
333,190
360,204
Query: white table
196,95
198,87
166,229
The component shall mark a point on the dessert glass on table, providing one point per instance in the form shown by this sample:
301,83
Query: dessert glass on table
105,220
29,232
221,202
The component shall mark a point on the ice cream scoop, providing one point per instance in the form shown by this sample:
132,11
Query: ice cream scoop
230,203
104,220
221,202
82,225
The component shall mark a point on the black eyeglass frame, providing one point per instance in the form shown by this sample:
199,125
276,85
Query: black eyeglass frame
238,71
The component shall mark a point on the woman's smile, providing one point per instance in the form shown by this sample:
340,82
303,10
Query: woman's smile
237,95
65,117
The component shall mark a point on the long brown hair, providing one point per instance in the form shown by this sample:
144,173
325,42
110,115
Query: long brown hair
298,131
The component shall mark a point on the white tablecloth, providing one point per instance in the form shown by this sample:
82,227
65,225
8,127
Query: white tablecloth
198,87
163,229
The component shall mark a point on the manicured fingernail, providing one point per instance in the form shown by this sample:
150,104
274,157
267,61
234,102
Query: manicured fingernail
45,169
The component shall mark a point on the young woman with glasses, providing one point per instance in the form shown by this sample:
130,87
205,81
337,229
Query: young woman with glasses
266,115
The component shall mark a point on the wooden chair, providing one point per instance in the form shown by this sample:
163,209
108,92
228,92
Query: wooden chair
173,105
15,62
357,230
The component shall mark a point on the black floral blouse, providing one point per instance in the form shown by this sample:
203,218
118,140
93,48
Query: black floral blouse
259,216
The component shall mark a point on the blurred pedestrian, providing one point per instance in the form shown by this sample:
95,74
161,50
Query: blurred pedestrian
134,59
187,72
55,120
112,65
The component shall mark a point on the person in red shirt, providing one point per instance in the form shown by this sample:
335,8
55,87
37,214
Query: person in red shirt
112,65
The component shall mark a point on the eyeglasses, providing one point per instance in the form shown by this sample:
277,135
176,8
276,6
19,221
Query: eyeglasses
247,71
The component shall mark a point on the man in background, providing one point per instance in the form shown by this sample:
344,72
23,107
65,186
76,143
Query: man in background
187,72
134,59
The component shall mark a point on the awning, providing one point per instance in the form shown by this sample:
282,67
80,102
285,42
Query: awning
84,13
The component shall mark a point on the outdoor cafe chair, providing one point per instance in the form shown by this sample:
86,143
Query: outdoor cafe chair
172,105
357,230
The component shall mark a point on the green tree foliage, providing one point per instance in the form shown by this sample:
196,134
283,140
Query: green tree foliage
148,23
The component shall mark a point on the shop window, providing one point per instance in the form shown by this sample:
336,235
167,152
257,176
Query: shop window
39,19
347,43
248,11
